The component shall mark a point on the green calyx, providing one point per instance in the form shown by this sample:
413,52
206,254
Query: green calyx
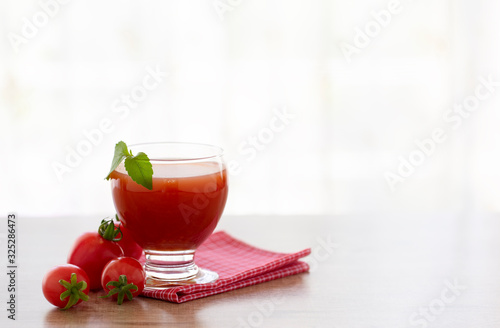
122,288
74,290
109,231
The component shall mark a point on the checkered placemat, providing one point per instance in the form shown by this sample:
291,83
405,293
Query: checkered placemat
238,265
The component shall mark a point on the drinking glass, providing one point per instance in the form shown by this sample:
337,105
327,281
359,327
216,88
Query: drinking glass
183,208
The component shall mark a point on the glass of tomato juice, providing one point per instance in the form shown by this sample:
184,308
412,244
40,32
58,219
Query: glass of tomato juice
183,208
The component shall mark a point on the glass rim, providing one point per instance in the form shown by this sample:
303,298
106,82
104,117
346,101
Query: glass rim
218,152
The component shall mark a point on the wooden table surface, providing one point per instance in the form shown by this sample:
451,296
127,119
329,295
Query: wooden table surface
367,271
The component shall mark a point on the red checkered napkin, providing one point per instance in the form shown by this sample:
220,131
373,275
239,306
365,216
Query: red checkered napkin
238,265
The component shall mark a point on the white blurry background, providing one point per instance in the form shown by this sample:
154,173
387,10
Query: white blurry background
230,65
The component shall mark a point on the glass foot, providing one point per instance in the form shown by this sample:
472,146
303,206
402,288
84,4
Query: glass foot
204,276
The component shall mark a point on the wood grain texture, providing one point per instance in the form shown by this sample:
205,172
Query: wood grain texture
366,271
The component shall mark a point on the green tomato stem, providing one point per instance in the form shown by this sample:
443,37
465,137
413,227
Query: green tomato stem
122,288
74,290
109,231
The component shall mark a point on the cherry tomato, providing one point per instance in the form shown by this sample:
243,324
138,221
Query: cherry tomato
65,286
91,252
128,244
122,277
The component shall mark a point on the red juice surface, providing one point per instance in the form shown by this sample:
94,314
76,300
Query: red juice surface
181,210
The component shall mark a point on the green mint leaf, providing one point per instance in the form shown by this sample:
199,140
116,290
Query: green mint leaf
121,151
139,168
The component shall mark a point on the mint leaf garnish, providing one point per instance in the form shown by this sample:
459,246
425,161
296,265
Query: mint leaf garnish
121,151
138,167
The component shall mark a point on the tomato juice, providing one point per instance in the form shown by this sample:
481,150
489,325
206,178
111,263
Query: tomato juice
181,210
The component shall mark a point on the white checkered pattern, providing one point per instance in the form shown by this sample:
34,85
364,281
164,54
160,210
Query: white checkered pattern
238,265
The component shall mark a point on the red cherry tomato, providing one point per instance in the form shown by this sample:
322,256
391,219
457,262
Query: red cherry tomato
91,252
122,277
68,282
128,244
